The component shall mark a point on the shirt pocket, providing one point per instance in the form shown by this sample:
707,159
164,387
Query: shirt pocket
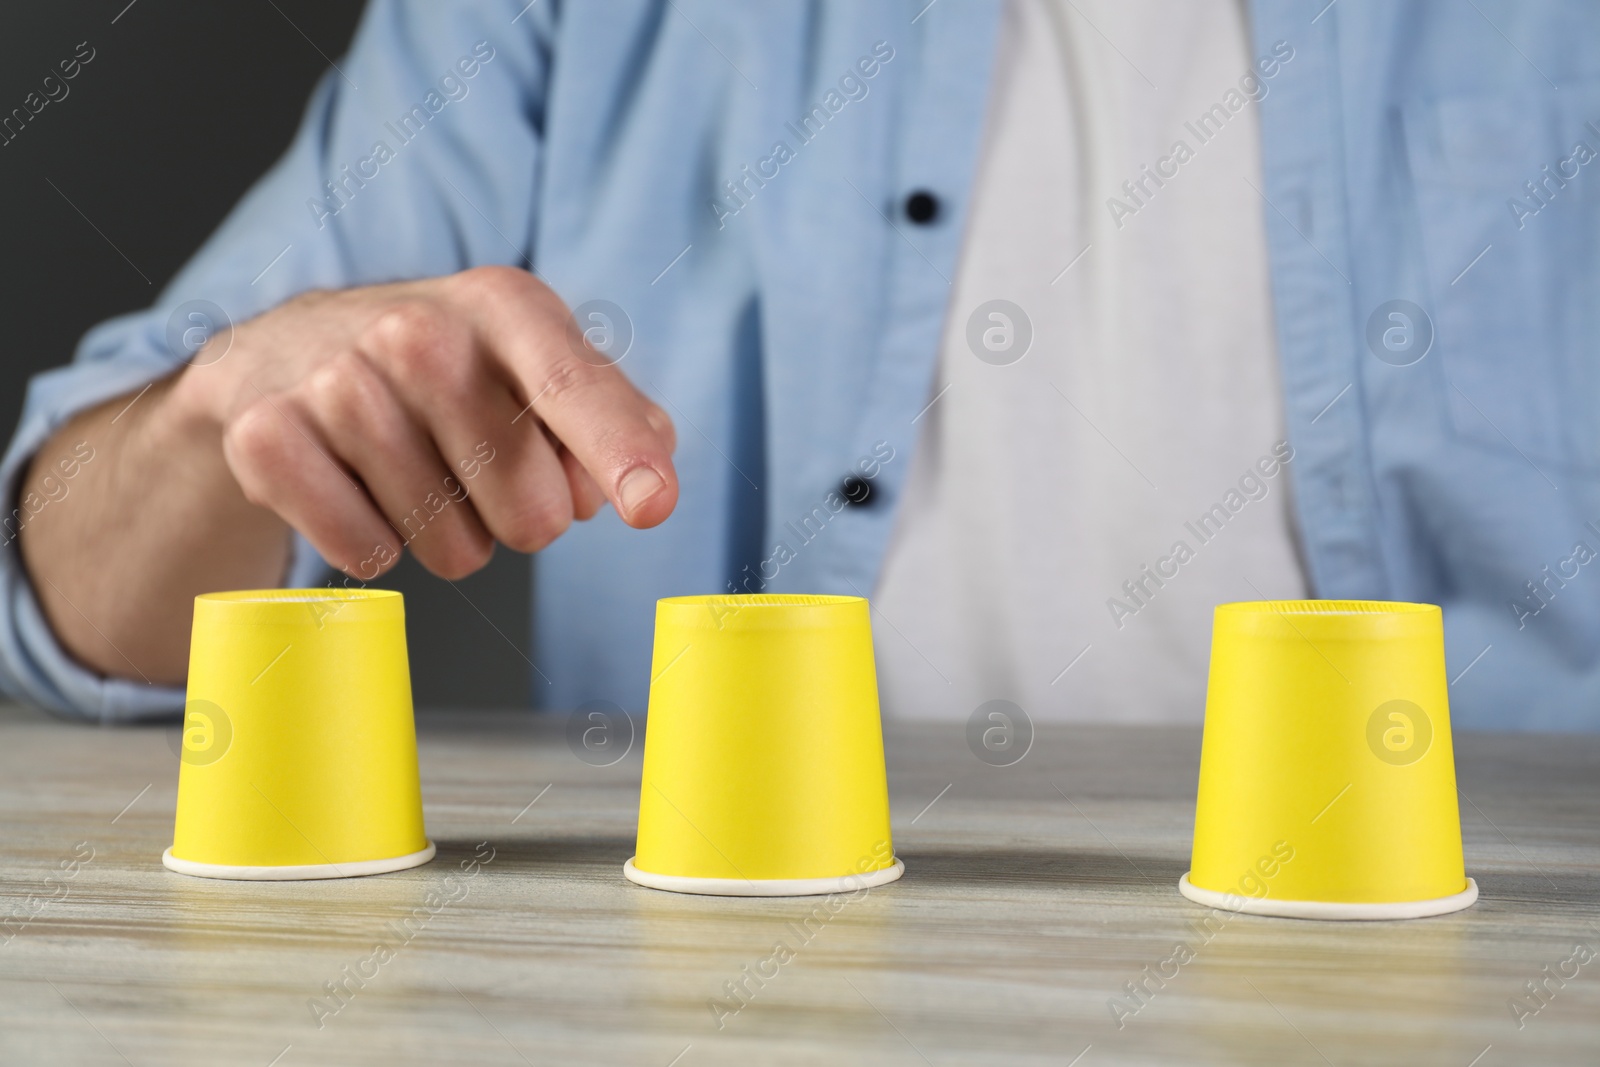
1508,199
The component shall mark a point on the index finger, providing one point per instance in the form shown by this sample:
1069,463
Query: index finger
619,436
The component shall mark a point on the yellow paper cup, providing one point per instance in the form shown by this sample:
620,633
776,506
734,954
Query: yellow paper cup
299,754
1327,776
763,752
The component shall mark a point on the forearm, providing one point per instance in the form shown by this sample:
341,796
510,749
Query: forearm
149,517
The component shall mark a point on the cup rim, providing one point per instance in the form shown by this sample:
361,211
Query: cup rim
1328,607
1332,910
759,612
303,872
763,887
761,600
313,595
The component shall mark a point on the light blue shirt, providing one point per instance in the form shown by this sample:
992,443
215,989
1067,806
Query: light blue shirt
786,312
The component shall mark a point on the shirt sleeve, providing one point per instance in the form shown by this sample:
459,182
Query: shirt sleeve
417,156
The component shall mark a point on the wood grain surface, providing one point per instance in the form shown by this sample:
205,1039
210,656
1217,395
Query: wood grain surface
1033,894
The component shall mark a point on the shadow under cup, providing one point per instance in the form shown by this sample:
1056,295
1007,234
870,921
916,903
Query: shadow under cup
1327,773
763,757
299,754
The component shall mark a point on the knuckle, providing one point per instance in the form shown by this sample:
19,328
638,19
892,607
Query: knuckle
566,377
256,434
500,282
345,389
406,323
466,555
257,451
419,341
538,523
479,549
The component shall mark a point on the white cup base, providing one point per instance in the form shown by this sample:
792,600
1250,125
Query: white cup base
1327,909
299,873
764,887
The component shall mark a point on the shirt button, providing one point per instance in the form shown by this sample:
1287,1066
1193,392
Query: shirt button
922,207
858,491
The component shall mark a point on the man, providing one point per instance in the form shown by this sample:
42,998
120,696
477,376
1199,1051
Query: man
967,306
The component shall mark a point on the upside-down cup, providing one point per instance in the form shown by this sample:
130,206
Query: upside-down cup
299,755
1327,776
763,752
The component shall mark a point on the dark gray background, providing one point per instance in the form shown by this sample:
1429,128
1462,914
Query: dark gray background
186,104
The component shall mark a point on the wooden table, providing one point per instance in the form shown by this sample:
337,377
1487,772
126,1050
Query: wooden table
1033,894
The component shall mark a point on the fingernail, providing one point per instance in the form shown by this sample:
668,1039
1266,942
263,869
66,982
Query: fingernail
639,485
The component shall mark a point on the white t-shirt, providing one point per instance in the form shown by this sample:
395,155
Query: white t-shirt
1073,515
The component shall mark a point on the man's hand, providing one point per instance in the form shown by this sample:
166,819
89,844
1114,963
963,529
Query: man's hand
353,415
439,415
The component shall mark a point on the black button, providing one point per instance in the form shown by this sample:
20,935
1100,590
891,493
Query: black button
858,491
922,207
